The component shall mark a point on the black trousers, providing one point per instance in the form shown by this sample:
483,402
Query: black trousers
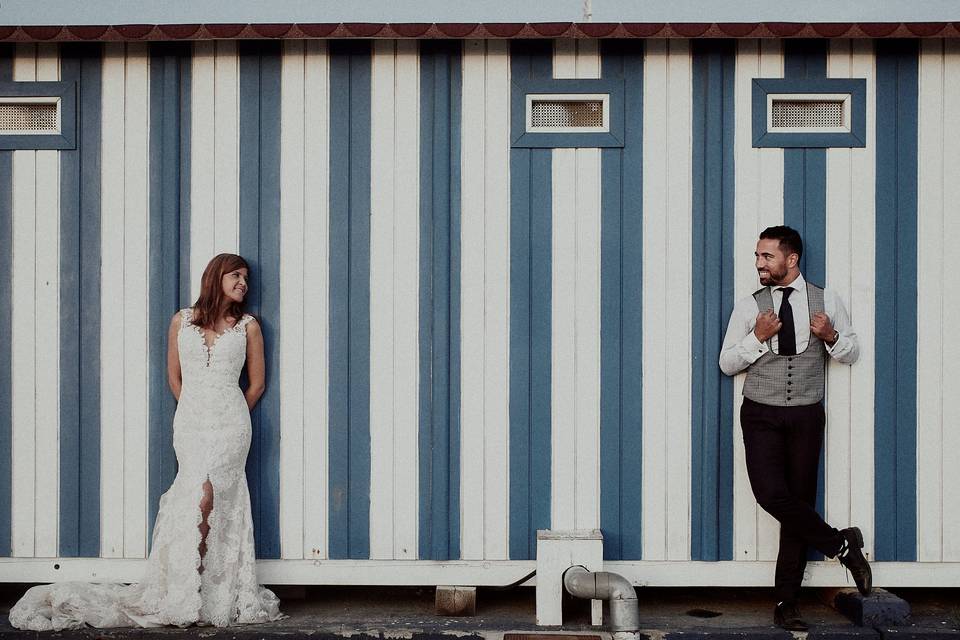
782,447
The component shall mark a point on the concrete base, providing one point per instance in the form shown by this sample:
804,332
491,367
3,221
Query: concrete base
456,601
880,609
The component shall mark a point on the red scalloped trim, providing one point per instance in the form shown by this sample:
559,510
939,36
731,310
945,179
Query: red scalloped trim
134,31
42,33
737,29
179,31
147,32
410,29
457,29
644,29
832,29
272,30
784,29
690,29
551,29
224,30
597,29
879,29
363,29
318,30
504,29
87,32
926,29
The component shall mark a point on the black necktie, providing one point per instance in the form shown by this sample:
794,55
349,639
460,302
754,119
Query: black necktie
787,337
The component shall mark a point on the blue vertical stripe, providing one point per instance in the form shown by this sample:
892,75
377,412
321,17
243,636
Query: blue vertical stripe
80,311
349,419
621,304
712,256
6,318
260,245
531,227
805,195
895,403
439,435
169,157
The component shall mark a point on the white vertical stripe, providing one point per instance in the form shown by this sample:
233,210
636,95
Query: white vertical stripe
837,487
292,319
667,190
202,161
47,330
563,386
861,300
472,307
575,339
136,286
485,274
758,194
587,315
382,138
950,449
112,335
406,251
23,332
496,356
930,302
394,278
226,133
316,243
679,279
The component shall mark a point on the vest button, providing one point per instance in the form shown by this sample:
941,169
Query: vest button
789,382
789,359
789,366
789,375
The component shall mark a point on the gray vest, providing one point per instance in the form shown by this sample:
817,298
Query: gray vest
789,381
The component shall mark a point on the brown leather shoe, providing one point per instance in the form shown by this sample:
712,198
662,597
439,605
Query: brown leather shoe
853,559
787,616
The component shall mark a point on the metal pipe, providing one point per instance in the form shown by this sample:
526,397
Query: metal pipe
603,585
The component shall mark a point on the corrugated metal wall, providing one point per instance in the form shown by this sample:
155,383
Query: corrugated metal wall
467,342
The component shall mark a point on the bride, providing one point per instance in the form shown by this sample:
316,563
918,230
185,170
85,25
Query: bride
201,567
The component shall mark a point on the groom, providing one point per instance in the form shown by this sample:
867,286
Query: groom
782,335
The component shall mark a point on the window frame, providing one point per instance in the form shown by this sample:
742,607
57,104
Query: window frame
594,88
64,93
765,90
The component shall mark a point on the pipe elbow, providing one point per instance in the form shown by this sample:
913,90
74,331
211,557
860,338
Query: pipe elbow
616,587
580,583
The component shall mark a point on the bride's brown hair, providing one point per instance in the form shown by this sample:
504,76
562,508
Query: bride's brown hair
207,307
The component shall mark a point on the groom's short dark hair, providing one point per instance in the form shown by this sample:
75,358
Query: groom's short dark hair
789,238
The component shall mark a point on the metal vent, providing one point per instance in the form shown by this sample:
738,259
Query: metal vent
808,114
554,114
29,118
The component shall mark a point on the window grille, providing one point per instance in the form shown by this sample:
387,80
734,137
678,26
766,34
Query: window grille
567,113
807,114
29,117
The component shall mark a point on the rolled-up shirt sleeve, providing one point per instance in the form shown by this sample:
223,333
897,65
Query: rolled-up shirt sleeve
740,346
846,350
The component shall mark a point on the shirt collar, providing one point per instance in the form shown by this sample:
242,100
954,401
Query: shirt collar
799,284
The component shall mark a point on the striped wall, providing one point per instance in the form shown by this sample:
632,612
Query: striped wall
468,342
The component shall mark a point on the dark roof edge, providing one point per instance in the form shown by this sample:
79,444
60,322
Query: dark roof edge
167,32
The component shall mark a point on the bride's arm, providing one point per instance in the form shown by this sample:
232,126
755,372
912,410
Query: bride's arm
174,378
255,364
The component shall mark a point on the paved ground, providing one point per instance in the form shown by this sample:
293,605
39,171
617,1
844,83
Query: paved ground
326,613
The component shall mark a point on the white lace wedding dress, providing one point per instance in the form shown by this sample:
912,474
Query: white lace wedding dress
211,436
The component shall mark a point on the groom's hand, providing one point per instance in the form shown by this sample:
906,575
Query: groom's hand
768,324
